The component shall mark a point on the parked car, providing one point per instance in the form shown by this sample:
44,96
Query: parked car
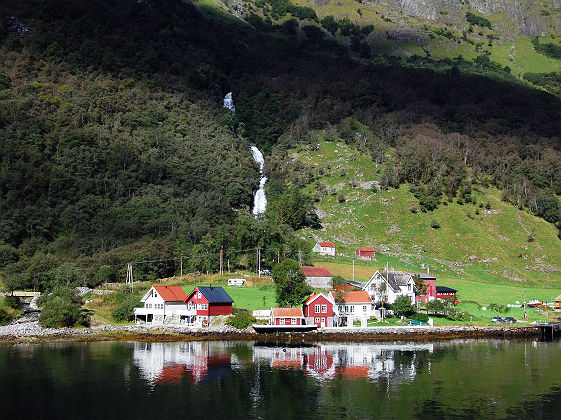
497,319
510,320
265,272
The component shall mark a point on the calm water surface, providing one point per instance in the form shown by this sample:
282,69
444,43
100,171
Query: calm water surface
215,380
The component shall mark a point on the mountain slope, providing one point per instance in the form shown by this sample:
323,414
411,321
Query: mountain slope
490,240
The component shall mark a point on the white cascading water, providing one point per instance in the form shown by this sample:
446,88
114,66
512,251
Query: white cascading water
259,199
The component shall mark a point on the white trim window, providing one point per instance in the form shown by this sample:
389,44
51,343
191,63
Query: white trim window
198,295
281,321
323,309
318,320
364,308
293,321
317,309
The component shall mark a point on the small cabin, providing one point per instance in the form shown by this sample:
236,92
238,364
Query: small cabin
287,316
236,282
368,254
319,310
324,248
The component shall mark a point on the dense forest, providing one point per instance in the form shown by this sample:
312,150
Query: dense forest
114,146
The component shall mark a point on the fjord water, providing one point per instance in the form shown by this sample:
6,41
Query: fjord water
217,379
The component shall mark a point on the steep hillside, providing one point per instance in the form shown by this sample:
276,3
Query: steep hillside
486,240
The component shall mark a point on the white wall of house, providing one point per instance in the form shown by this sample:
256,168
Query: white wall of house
373,289
323,250
319,282
159,309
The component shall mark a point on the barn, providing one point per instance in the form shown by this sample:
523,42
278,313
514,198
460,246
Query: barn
443,292
318,277
558,303
366,253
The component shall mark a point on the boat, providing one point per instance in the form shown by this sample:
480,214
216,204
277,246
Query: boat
273,329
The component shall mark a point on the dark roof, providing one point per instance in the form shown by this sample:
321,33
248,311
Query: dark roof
215,294
396,279
444,289
356,283
425,276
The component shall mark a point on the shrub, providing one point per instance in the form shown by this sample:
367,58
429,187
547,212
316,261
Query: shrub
13,302
62,308
124,309
418,316
5,317
403,306
241,320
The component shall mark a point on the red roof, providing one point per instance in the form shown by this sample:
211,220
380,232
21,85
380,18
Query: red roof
287,313
352,296
316,272
366,249
326,244
171,293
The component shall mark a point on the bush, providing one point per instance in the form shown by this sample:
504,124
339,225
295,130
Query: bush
241,320
5,317
63,309
13,302
403,306
418,316
124,311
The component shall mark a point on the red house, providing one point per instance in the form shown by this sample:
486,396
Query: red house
207,302
318,310
430,294
443,292
365,253
287,316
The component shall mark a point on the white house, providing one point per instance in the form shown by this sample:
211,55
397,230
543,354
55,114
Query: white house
324,248
163,304
389,285
353,305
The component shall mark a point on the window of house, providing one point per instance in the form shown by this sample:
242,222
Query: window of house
198,295
323,309
346,308
318,320
317,309
293,321
352,308
364,308
281,321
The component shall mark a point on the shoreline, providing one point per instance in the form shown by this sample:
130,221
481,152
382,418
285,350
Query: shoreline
33,333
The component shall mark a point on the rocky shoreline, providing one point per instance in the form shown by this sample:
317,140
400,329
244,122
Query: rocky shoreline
27,329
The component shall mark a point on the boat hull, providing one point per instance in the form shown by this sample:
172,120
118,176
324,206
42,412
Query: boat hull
273,329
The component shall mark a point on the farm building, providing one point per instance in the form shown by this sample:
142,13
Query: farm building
366,253
318,277
204,303
443,292
430,293
162,304
324,248
286,316
319,310
558,303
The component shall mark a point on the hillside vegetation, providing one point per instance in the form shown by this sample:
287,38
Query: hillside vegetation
114,146
486,240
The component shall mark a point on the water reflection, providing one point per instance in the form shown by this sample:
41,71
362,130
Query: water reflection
160,363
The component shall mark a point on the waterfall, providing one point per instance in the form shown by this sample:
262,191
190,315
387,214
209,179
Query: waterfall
259,199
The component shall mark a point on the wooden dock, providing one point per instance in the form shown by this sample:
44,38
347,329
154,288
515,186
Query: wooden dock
550,331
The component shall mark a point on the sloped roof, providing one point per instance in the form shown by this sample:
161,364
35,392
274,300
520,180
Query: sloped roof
316,272
171,293
396,279
314,295
215,294
287,312
558,298
426,276
354,296
362,249
444,289
326,244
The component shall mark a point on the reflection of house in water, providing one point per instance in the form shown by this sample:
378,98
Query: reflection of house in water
171,362
396,362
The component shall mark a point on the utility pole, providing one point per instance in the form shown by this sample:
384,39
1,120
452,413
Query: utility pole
525,314
181,265
353,269
259,262
228,265
221,259
278,256
300,258
129,281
